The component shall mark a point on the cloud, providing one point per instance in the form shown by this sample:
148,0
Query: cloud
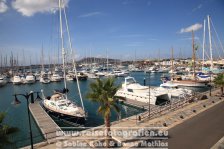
197,8
91,14
191,28
3,6
30,7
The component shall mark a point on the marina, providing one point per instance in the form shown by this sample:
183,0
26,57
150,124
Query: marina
128,109
115,74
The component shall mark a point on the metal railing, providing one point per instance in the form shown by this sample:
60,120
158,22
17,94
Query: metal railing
159,110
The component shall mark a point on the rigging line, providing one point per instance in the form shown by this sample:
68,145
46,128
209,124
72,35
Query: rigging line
215,45
206,53
70,46
217,35
204,49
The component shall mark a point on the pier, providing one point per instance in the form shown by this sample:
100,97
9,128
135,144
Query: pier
46,124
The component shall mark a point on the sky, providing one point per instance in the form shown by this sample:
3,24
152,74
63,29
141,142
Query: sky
122,29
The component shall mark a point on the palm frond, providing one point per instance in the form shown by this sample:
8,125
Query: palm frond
2,116
102,92
219,80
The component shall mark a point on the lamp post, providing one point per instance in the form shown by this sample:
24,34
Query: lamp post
16,102
149,97
210,93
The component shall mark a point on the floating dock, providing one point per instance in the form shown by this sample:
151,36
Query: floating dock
46,124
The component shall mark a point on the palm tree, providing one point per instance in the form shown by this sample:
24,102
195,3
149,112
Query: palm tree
5,130
102,92
219,81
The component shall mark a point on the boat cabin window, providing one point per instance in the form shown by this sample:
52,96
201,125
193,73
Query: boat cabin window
61,105
130,81
130,90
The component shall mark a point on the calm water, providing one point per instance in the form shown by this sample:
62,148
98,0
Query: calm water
17,116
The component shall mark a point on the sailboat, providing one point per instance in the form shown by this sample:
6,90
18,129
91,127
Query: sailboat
192,82
44,76
59,104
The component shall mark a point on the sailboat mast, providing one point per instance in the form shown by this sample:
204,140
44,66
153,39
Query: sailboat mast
42,55
107,60
62,44
210,42
172,68
73,52
193,54
203,48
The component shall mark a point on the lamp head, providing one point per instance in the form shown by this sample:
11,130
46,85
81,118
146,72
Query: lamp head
38,96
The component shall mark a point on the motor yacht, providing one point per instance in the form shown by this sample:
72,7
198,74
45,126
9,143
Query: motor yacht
3,80
30,79
17,80
56,77
134,91
44,78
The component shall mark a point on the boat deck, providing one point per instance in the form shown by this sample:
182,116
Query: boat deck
46,124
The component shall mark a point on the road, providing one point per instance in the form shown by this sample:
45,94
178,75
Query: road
199,132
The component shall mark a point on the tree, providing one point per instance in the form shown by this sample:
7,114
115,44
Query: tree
219,81
102,92
5,130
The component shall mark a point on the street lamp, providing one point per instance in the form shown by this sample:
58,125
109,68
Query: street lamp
210,75
17,102
149,97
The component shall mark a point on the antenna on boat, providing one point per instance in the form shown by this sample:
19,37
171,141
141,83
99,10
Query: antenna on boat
70,46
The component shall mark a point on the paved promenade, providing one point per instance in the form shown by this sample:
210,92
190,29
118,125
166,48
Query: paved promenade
201,131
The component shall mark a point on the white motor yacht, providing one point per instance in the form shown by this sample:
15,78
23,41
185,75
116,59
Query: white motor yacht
134,91
44,78
92,76
69,77
30,79
56,77
3,81
119,73
17,80
100,74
